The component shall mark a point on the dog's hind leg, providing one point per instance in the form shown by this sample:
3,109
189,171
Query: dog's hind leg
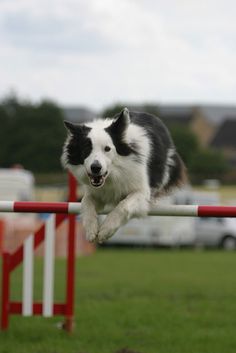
135,204
89,218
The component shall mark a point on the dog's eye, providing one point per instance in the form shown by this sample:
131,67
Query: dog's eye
107,148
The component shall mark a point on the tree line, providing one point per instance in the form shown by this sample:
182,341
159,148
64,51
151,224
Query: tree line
33,135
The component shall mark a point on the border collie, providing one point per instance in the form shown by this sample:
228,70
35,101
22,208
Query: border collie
124,163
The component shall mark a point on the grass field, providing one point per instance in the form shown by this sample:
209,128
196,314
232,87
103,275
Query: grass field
145,300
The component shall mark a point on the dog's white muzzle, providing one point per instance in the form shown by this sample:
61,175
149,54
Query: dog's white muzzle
97,181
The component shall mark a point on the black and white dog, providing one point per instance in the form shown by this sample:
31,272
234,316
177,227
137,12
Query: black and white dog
125,162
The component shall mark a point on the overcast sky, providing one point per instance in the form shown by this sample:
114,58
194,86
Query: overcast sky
97,52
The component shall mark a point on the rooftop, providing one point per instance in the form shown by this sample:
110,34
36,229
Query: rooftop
226,134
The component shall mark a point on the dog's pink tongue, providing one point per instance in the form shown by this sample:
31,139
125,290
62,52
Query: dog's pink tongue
97,180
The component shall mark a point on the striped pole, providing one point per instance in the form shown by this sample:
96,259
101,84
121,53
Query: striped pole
71,257
25,254
49,255
75,208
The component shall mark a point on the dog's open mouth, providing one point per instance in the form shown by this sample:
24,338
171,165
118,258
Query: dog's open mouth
97,180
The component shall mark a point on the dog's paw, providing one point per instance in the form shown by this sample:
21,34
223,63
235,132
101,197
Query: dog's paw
91,232
104,234
108,227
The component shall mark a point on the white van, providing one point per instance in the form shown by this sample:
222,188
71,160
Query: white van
216,232
156,231
16,185
210,231
180,231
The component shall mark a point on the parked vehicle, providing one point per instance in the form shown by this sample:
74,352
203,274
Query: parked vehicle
181,231
156,231
209,231
16,184
216,232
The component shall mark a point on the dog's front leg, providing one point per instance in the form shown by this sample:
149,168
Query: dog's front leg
89,218
134,205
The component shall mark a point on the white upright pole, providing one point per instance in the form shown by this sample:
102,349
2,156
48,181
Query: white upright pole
28,272
48,279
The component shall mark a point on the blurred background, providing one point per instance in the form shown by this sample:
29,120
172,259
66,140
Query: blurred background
78,60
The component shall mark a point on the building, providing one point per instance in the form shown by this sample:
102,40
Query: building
225,140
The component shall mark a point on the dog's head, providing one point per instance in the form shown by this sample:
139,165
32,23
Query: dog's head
96,145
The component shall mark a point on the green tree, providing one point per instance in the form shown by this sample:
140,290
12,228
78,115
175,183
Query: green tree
31,135
208,164
201,163
186,142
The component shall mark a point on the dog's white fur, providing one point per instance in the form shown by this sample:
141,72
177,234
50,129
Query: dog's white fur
126,189
126,186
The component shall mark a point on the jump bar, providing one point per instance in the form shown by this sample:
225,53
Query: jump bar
75,208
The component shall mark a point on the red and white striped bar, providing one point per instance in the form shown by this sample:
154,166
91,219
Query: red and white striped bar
75,208
40,207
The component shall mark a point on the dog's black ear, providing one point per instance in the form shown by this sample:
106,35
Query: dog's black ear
121,122
72,128
76,129
125,115
123,118
117,131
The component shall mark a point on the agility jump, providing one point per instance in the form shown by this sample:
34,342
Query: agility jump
75,208
24,254
47,233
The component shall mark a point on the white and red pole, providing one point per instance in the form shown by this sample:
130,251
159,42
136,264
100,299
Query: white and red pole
75,208
24,253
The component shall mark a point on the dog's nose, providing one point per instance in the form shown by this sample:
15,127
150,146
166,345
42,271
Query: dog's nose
96,167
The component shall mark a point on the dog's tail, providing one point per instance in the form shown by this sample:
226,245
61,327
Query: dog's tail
178,174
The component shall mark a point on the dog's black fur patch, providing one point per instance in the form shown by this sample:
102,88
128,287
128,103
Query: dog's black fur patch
116,130
177,172
161,142
79,145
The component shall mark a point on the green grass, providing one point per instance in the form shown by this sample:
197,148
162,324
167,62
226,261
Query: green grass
148,301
